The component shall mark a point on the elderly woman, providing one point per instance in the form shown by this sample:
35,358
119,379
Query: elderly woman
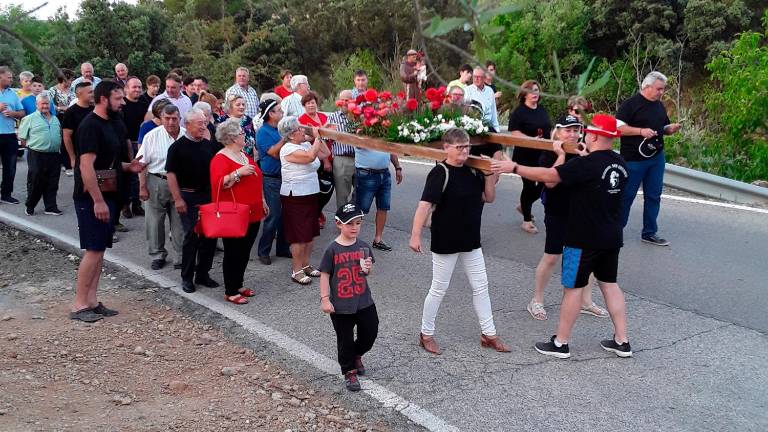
299,194
314,118
235,108
232,169
529,119
458,194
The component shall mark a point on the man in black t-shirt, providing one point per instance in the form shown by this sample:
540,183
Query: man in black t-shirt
594,235
643,122
133,114
72,119
101,156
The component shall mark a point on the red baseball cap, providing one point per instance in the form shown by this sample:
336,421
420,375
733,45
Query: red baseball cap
603,125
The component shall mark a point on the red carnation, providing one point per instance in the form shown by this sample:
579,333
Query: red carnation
431,94
395,106
371,95
442,90
401,95
382,112
360,99
385,95
357,111
412,104
434,105
386,123
340,103
351,106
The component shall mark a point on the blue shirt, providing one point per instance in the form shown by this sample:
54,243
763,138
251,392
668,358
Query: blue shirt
8,97
371,159
266,137
41,134
144,129
30,105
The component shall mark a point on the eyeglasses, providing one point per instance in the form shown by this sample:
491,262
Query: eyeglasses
461,147
242,132
457,95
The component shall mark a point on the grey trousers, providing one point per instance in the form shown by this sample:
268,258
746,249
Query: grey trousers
157,208
344,178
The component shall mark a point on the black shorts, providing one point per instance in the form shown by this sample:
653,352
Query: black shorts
578,264
555,237
485,149
95,235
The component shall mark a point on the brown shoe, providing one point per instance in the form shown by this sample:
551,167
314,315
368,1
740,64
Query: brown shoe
429,344
493,342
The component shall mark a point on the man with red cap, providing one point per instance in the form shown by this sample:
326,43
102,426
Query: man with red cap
594,233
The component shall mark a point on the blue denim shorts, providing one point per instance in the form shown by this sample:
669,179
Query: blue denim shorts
95,235
370,185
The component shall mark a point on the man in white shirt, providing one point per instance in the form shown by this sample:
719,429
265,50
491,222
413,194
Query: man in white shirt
174,95
483,94
86,74
153,188
243,89
292,105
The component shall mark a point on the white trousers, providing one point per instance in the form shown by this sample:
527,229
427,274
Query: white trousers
442,270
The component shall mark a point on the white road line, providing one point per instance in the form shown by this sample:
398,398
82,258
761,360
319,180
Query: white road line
378,392
665,196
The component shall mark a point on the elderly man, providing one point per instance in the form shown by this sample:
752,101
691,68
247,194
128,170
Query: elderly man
121,74
153,188
343,154
10,110
188,166
40,132
243,89
643,122
174,95
292,106
361,84
86,74
482,94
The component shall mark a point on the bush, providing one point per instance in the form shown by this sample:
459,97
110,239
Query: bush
343,72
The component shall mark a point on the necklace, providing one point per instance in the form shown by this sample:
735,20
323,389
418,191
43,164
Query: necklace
238,157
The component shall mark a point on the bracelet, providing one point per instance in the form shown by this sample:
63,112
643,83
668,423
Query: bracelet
237,176
325,296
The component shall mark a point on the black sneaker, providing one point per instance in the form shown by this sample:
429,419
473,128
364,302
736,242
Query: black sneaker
381,246
85,315
351,381
104,311
621,350
10,200
549,348
54,212
29,211
654,240
137,210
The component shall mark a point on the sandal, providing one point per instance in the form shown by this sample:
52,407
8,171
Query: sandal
594,310
529,227
311,271
246,292
236,299
537,311
303,280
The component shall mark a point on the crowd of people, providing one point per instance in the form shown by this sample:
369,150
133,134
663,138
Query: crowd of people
135,151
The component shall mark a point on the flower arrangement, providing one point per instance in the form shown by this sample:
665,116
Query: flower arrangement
397,119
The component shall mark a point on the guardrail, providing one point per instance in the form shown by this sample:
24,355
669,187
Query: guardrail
713,186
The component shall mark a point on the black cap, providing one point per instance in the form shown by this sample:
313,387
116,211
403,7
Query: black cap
348,212
568,120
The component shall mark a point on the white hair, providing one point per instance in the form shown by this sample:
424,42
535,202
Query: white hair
298,79
42,96
202,106
243,69
192,113
287,126
228,131
26,75
652,78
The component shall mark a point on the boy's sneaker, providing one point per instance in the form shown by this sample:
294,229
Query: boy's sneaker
10,200
550,349
621,350
654,240
54,212
29,211
359,365
351,381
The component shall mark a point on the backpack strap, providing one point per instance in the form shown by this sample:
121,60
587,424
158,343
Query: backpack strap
445,183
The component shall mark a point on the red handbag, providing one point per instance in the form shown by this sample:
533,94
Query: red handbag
226,219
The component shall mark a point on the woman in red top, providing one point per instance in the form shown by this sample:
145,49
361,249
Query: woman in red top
314,118
284,89
232,169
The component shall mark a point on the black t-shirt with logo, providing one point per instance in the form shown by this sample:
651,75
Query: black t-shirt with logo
533,123
459,209
133,115
556,200
639,112
349,289
105,138
190,161
596,183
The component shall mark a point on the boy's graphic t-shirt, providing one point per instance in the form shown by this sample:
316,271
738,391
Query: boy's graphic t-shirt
349,287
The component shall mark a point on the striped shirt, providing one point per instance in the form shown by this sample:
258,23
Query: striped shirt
339,118
250,96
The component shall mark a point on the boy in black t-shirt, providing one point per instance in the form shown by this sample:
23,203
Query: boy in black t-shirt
594,233
344,267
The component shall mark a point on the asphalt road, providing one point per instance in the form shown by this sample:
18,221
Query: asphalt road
696,316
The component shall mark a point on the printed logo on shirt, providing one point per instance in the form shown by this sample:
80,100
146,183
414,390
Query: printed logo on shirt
649,147
350,282
613,173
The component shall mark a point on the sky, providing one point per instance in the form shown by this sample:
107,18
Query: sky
50,9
